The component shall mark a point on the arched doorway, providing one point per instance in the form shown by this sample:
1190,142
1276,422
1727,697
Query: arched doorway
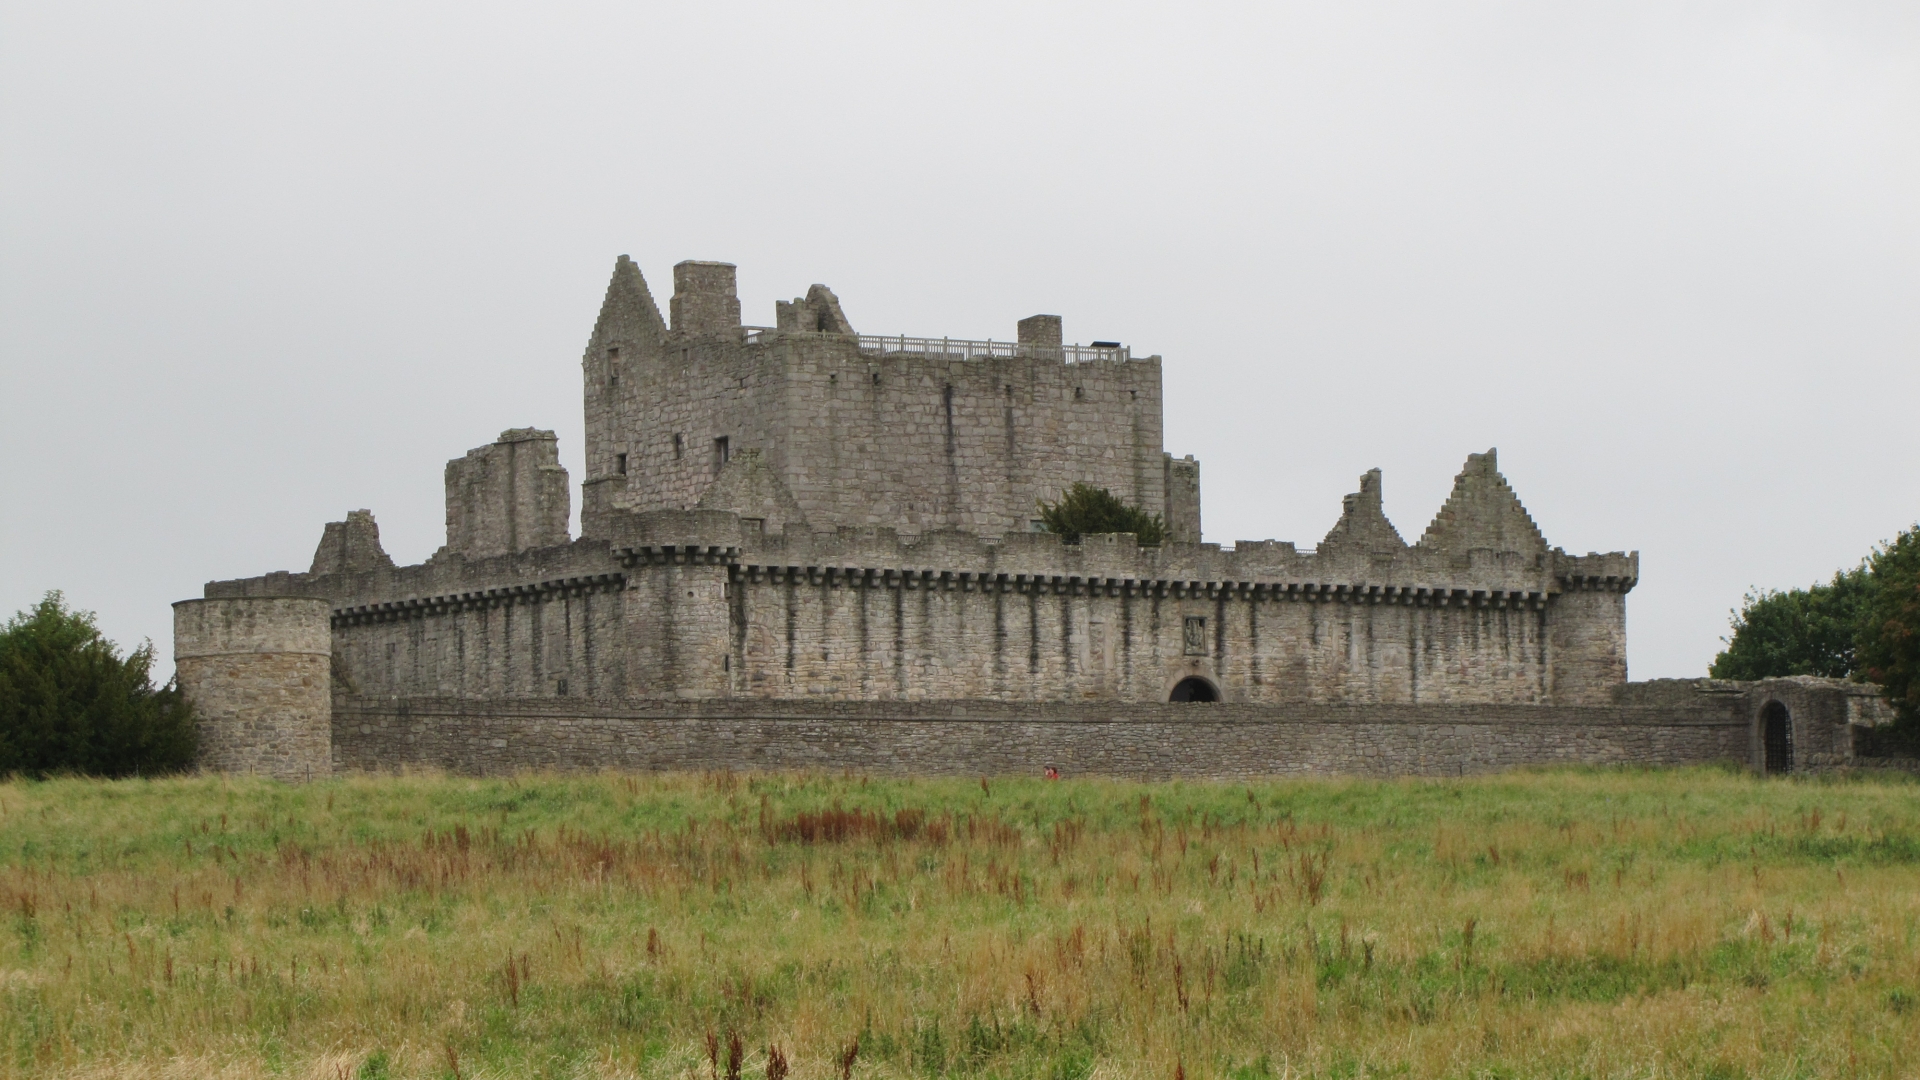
1776,733
1194,688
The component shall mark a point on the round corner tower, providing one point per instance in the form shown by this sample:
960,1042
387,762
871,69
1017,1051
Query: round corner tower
257,670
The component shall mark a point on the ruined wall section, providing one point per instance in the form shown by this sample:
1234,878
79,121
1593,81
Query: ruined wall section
510,495
1181,480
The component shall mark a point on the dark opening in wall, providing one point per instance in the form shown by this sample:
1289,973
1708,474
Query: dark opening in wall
719,453
1777,733
620,463
1194,688
613,353
613,378
679,446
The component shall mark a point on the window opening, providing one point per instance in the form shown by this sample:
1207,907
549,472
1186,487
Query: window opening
679,446
719,453
620,463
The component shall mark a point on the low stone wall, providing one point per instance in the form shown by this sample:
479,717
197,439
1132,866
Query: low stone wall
1220,741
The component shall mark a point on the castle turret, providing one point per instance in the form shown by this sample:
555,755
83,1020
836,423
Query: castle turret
257,670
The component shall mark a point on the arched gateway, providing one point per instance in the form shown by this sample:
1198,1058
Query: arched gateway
1194,688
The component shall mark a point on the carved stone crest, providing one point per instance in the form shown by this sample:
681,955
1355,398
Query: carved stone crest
1196,635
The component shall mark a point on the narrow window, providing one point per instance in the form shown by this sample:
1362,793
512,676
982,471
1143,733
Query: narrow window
719,452
613,353
679,446
876,378
613,378
620,462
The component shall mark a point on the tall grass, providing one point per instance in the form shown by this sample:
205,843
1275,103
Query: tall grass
1690,923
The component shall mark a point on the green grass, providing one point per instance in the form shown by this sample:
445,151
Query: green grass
1572,923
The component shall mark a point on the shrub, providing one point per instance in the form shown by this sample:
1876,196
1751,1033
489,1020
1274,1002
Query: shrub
1800,631
69,702
1889,642
1085,509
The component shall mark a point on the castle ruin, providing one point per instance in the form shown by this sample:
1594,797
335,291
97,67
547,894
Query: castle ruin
802,545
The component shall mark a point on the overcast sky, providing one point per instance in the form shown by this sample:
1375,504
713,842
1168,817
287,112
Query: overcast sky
262,264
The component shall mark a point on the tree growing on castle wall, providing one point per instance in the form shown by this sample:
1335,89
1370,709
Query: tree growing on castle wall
69,702
1889,641
1086,510
1799,631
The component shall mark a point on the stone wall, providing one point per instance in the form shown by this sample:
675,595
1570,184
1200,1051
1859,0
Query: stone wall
984,738
879,633
255,670
510,495
858,437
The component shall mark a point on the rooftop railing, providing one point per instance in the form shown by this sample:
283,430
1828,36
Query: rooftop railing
967,348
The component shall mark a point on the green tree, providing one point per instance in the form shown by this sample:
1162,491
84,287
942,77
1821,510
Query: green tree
1084,510
69,702
1800,631
1889,641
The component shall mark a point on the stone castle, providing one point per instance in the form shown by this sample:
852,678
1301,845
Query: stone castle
802,545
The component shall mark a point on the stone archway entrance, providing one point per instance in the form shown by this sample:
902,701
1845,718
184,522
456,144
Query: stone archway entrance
1194,688
1776,735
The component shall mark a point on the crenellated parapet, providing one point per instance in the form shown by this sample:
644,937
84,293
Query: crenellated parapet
1613,572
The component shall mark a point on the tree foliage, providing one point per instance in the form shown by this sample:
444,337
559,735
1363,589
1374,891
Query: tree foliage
1799,631
69,702
1889,641
1086,510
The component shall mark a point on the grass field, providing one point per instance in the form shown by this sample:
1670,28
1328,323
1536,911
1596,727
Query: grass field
1588,923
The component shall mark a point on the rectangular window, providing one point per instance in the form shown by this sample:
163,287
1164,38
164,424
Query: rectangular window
620,463
613,353
613,379
719,453
679,446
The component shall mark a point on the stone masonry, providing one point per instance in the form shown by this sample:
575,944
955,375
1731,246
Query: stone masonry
799,538
256,670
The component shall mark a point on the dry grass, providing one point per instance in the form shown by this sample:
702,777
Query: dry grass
1693,923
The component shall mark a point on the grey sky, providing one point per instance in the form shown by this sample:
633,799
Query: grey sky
263,264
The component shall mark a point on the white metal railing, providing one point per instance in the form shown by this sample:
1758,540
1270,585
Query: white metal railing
967,348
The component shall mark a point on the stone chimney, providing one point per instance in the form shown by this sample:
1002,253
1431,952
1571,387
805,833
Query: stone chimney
706,299
1041,330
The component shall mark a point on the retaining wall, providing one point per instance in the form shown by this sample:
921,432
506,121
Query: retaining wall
1218,741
